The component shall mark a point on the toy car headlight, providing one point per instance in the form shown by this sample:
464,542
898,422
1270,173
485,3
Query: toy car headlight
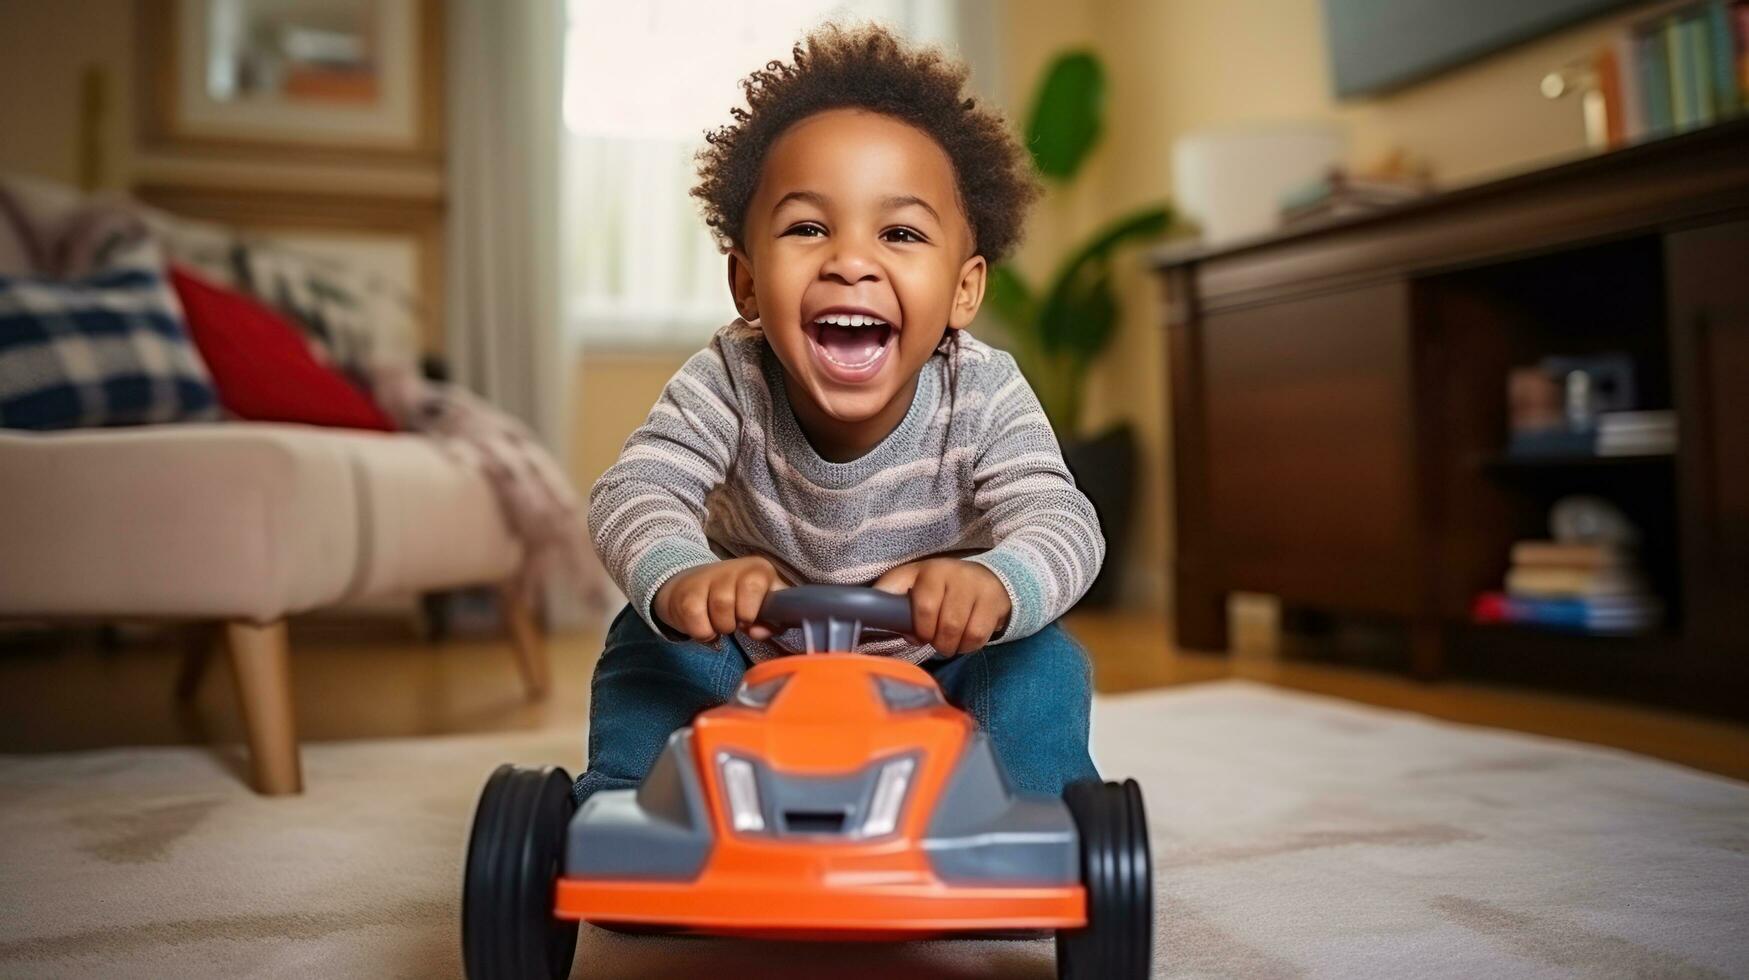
741,786
759,696
901,695
889,796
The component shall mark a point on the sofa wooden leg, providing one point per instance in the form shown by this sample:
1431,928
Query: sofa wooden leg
261,662
527,643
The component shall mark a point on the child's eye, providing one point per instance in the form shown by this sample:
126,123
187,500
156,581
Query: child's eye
800,229
908,235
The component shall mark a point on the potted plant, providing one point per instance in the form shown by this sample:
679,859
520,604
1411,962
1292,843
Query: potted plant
1056,334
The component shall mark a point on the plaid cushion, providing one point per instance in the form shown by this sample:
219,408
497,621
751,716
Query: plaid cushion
109,349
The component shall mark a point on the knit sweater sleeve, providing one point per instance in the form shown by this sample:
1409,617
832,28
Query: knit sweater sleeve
646,513
1047,542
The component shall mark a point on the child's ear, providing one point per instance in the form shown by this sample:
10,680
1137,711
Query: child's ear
969,294
741,285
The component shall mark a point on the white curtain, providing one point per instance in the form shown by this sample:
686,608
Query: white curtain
505,316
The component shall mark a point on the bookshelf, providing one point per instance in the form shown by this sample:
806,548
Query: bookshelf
1479,322
1679,67
1340,418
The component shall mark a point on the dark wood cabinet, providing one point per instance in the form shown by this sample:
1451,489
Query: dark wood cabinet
1339,411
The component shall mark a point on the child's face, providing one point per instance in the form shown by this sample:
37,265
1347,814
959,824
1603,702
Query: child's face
856,213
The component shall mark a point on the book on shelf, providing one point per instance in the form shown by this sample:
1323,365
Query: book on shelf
1728,49
1569,554
1619,615
1682,76
1678,71
1615,94
1636,433
1741,13
1652,420
1637,446
1549,582
1708,101
1654,74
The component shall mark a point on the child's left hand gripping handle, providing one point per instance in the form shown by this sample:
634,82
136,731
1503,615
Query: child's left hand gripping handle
717,599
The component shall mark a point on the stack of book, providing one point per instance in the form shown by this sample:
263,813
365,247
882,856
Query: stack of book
1586,587
1636,433
1681,71
1340,193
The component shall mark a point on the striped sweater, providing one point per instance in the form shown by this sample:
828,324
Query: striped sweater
721,469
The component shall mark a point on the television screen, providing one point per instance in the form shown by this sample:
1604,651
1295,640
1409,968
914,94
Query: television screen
1379,45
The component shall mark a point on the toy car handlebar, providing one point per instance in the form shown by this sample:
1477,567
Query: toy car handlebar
832,617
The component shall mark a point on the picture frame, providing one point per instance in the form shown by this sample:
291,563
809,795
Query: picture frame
294,80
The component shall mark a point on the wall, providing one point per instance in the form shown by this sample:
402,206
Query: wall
1197,65
1181,65
45,47
613,391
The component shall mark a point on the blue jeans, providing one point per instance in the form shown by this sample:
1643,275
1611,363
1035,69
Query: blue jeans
1031,696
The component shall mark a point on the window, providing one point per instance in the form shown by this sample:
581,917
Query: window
643,82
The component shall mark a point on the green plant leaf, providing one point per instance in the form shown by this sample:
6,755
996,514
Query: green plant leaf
1067,114
1056,318
1082,288
1078,319
1142,223
1096,316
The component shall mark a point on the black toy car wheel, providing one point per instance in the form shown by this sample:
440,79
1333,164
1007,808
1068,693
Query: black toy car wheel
1116,869
517,845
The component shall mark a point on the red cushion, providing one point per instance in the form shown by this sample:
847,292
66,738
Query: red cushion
262,365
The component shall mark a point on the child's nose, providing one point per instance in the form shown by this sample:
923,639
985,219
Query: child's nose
850,263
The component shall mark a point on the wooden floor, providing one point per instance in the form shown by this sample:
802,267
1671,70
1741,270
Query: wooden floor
1134,653
67,691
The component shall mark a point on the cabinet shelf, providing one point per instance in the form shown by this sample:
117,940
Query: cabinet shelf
1508,463
1532,632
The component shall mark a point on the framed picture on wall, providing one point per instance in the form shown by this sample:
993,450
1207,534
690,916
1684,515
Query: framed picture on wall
293,78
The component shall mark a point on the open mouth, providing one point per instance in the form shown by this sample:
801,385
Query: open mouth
850,346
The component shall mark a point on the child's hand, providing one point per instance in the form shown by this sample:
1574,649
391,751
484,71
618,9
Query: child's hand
955,605
714,600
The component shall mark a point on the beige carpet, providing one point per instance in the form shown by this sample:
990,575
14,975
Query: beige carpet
1294,837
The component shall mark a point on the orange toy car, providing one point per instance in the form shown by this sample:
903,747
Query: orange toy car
837,796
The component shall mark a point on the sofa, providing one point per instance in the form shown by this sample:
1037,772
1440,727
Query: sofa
245,524
160,457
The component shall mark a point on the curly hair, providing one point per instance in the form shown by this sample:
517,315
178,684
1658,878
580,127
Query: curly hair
869,68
